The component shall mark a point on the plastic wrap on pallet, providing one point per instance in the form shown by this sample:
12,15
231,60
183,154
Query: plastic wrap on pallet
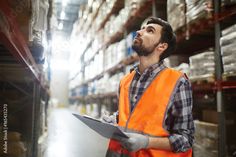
229,30
230,68
200,151
41,22
183,67
229,63
228,39
106,84
229,59
176,10
206,139
228,2
198,9
202,64
228,50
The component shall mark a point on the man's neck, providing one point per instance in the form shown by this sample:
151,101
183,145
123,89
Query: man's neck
147,61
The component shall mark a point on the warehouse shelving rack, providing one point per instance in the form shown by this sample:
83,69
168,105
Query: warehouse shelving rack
118,5
203,32
93,18
20,77
127,61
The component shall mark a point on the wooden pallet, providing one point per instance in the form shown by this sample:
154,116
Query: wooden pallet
202,24
209,78
229,76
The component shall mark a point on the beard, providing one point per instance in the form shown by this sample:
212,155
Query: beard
140,49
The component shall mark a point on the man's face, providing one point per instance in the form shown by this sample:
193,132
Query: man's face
147,38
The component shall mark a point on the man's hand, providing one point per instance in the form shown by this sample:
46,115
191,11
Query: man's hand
135,141
108,118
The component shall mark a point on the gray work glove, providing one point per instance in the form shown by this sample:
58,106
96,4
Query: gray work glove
108,118
135,141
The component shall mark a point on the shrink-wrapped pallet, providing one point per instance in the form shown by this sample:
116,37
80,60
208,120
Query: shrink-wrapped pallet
228,49
206,139
176,10
202,64
196,9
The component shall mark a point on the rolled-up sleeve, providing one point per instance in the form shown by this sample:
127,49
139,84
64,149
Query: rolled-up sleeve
179,120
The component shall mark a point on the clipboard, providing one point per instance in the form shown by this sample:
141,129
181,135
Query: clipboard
104,129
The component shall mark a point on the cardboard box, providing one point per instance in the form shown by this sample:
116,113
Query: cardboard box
206,139
21,11
230,119
211,116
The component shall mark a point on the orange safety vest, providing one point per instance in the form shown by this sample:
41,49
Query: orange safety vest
148,115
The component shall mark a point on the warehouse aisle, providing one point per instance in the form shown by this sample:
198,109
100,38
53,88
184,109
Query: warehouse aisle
68,137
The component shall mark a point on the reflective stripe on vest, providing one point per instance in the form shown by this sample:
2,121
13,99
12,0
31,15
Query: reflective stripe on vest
148,115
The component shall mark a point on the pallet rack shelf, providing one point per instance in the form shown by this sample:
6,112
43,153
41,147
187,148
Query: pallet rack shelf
118,5
20,78
13,42
127,61
131,24
213,86
95,96
201,31
95,15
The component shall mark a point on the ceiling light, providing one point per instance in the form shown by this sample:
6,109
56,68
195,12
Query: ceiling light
60,26
64,2
90,3
63,15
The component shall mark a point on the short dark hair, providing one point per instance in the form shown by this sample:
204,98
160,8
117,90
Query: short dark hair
167,36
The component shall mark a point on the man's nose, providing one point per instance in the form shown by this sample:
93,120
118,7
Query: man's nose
139,32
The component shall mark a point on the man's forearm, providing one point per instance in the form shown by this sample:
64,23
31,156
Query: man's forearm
161,143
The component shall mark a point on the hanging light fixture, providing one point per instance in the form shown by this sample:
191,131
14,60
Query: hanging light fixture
64,3
63,15
60,26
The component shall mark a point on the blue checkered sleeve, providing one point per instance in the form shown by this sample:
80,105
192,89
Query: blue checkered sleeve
179,121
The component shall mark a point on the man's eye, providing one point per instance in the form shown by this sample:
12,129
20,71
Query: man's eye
150,30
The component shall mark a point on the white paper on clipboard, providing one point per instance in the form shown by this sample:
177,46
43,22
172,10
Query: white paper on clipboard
104,129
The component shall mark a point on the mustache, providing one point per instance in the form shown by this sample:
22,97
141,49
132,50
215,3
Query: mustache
138,38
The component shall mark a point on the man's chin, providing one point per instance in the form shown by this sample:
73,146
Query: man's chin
141,52
136,45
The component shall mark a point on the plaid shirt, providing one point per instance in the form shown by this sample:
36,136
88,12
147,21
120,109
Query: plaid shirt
178,119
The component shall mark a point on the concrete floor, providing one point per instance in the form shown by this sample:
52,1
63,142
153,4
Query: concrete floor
68,137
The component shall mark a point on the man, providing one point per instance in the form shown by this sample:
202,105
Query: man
155,102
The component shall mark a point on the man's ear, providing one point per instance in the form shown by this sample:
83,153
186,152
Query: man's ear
162,47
